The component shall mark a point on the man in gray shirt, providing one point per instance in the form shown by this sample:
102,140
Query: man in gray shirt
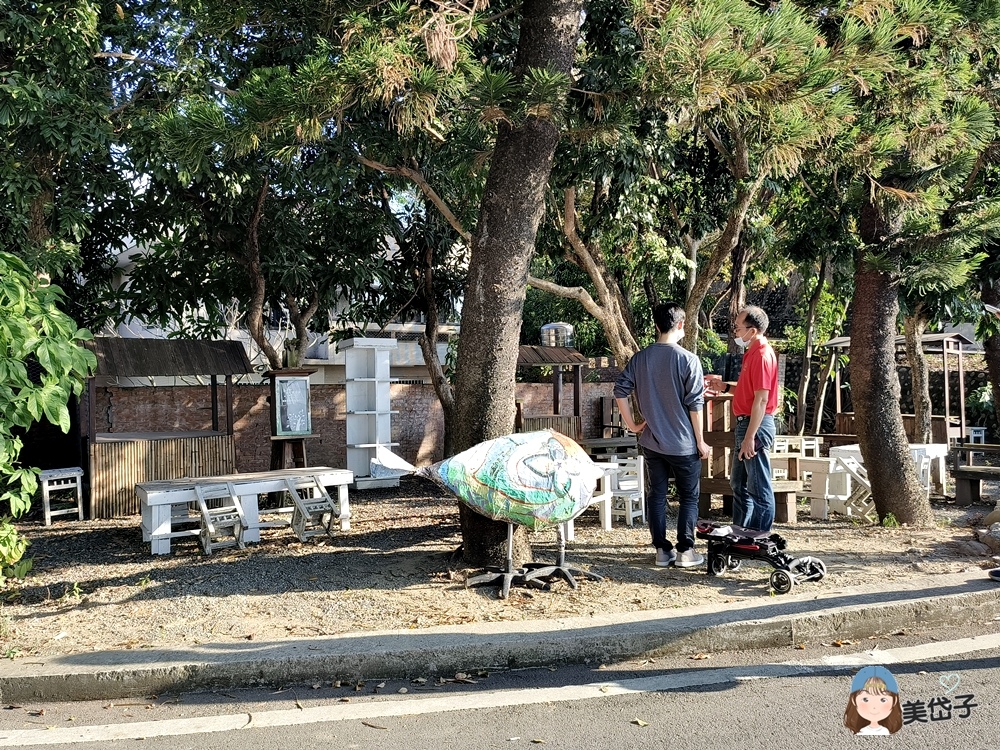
669,384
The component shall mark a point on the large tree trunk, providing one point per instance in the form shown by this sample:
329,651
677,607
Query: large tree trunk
914,326
511,210
991,296
875,392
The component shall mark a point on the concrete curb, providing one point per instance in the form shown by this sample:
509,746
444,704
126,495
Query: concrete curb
818,616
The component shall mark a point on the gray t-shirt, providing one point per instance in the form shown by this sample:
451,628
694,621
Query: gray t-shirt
669,383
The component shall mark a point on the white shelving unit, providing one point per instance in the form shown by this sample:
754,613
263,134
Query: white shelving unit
369,416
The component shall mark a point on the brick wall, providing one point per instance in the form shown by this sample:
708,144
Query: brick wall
418,427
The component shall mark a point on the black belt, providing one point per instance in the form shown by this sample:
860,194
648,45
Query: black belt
742,417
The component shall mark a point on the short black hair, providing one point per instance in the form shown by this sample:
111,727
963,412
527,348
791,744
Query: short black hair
754,317
667,315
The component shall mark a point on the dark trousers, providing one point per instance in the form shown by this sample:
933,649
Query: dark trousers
686,471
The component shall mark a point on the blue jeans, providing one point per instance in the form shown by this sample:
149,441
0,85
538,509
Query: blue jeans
753,497
686,471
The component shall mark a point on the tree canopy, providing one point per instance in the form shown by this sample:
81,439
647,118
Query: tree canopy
323,164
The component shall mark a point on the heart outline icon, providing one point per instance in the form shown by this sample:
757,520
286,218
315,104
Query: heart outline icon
949,682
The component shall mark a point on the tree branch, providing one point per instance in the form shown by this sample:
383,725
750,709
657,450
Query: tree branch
577,293
813,194
418,179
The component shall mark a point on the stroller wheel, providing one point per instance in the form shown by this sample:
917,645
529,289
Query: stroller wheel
782,581
810,569
734,563
717,565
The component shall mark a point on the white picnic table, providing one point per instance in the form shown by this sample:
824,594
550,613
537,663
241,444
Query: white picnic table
158,499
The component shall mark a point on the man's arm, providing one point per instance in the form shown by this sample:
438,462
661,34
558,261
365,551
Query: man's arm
697,424
625,408
716,384
757,413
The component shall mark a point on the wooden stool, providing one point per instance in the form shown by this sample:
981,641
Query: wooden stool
55,480
628,490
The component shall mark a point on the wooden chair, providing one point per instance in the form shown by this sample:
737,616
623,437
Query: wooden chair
313,513
628,489
221,526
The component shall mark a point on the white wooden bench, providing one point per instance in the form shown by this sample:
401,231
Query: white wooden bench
164,502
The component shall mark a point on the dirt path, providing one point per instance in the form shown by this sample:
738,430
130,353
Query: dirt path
95,586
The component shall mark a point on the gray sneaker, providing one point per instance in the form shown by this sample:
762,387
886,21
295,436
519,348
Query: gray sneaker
665,558
689,559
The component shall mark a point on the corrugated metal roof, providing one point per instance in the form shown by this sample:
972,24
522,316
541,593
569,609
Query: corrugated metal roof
931,342
542,356
135,358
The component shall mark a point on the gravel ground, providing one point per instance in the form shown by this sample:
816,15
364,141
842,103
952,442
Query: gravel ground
95,586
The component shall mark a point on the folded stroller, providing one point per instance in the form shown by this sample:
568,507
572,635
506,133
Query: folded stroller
729,545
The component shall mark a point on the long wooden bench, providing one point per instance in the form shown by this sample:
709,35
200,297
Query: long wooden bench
969,482
785,491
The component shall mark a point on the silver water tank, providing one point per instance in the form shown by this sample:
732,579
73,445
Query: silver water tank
557,334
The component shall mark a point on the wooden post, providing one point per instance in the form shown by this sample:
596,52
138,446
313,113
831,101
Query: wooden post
556,388
947,391
961,393
836,375
215,403
577,390
230,417
92,407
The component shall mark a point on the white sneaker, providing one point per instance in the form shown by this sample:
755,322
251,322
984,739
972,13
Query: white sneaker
665,558
689,559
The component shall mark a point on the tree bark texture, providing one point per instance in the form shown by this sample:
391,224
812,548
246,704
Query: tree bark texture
503,243
875,392
913,327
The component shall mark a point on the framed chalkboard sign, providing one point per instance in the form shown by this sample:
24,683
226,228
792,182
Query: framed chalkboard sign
291,410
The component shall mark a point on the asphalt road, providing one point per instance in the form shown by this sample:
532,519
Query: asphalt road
781,698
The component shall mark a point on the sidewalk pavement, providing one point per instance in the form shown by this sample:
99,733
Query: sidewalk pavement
811,614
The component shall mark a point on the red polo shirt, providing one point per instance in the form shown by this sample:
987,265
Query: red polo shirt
760,372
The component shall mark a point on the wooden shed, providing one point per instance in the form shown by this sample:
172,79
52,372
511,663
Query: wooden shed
555,357
944,427
119,460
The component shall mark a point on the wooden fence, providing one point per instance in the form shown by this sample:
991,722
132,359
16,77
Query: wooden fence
117,467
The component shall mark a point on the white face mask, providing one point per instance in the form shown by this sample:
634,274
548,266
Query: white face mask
740,342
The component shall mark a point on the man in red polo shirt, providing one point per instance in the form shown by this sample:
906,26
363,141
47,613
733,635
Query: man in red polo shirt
755,400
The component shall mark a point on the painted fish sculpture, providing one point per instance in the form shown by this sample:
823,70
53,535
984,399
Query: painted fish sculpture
535,479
